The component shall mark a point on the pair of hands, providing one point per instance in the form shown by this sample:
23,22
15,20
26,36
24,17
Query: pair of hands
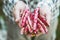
21,6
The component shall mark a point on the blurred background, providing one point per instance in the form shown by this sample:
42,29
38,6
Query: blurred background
3,25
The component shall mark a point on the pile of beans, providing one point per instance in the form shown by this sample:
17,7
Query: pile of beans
33,22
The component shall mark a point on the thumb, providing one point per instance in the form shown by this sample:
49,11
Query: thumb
17,16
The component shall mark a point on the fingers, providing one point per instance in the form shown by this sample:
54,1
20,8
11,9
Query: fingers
18,10
45,9
20,5
22,30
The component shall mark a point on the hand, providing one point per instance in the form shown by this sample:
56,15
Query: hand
45,10
18,10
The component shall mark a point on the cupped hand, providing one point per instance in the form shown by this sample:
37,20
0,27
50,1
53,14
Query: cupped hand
18,9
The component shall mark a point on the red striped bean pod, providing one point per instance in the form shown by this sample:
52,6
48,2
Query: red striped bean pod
43,20
35,18
24,18
43,26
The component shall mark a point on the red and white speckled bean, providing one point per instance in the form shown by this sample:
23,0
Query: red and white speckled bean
35,18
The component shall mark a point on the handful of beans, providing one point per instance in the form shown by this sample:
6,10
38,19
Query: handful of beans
33,23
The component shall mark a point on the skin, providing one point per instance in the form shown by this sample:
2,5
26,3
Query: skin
21,6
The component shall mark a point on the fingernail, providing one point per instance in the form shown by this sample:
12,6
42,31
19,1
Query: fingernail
17,20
